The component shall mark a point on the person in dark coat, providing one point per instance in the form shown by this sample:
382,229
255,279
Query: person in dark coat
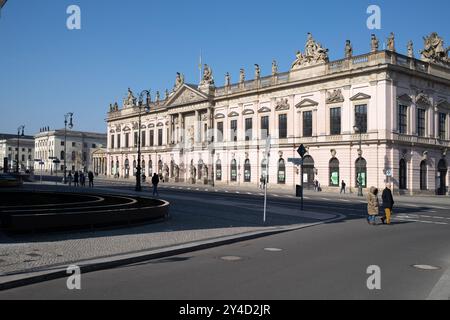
82,179
75,179
155,181
388,204
91,179
343,185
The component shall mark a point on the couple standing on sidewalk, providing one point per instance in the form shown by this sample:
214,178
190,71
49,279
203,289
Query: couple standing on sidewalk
373,205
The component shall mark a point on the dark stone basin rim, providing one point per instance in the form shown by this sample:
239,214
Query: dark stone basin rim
99,199
132,202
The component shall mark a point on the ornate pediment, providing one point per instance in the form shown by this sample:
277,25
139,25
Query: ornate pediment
160,124
307,103
404,98
247,112
233,114
360,96
185,95
335,96
219,116
423,99
126,129
283,104
151,125
264,110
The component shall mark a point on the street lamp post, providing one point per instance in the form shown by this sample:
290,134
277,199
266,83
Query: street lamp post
146,107
359,174
20,132
67,122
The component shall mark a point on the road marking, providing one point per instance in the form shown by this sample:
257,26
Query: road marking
206,190
237,192
197,189
275,195
425,267
231,258
344,200
249,193
273,249
326,199
226,191
289,196
216,190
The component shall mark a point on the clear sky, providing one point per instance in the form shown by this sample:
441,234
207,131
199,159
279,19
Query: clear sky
47,70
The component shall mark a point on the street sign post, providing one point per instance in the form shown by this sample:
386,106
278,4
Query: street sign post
301,151
267,153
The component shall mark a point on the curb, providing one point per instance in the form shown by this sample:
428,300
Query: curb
441,290
127,259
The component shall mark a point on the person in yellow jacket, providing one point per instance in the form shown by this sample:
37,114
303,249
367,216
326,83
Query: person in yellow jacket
373,205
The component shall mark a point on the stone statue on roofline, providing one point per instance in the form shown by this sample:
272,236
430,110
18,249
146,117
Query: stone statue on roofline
257,72
391,42
434,50
227,80
314,54
374,43
130,101
179,81
274,67
410,49
348,49
207,76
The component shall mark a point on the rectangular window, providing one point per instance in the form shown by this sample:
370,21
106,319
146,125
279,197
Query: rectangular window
127,140
335,121
264,127
62,143
361,117
282,126
160,137
248,129
94,146
402,119
152,138
136,138
219,131
233,131
307,124
442,126
118,141
112,141
74,144
143,139
421,122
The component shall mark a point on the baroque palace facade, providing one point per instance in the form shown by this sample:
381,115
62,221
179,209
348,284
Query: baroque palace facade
396,107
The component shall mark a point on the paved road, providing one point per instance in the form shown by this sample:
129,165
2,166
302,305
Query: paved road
327,261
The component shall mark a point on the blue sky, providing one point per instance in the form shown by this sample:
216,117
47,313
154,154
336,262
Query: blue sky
47,70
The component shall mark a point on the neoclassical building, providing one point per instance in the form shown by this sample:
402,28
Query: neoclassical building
395,106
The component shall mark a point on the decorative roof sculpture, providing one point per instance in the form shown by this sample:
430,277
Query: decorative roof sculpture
314,54
434,50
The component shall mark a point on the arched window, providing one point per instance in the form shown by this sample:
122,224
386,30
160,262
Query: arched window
233,170
134,167
73,156
361,173
219,170
112,168
402,175
308,171
423,175
172,167
62,155
281,172
200,169
442,177
143,167
150,168
334,172
247,171
264,169
127,168
160,167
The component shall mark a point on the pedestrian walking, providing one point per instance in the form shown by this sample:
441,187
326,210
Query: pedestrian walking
373,205
262,182
91,179
75,179
316,185
82,179
343,185
388,204
70,178
155,181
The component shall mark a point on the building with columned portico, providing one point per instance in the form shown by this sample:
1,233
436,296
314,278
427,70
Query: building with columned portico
396,106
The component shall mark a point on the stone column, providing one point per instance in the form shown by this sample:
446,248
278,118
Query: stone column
196,126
